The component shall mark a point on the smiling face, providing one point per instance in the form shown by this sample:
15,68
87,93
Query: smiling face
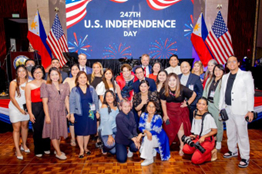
139,73
108,75
55,63
232,63
54,76
38,74
82,60
196,68
82,80
218,72
210,67
126,73
151,108
202,105
144,88
156,68
96,68
162,77
126,107
74,70
172,82
21,73
185,68
109,98
145,60
173,61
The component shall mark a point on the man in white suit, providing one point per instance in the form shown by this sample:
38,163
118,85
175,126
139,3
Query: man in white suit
237,97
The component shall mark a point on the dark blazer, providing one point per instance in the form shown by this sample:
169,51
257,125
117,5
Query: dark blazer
126,128
151,82
198,88
149,66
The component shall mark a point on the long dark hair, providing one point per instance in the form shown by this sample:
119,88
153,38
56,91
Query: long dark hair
157,81
18,79
178,86
114,102
112,79
144,81
213,75
49,81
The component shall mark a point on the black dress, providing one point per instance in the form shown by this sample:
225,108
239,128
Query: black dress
151,96
95,82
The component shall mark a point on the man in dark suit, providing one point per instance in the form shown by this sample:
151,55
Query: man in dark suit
139,72
191,81
145,59
82,64
55,63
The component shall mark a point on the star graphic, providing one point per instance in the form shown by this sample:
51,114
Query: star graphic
33,25
196,27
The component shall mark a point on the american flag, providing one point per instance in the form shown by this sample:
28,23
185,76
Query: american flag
57,41
219,40
75,11
161,4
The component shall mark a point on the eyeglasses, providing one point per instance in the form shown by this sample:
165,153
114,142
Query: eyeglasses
234,61
38,72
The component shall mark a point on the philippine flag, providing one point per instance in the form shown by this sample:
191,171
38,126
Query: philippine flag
198,38
37,37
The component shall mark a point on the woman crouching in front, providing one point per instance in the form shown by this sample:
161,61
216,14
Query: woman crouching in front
203,130
155,139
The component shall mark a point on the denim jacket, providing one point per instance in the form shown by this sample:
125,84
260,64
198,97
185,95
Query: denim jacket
75,100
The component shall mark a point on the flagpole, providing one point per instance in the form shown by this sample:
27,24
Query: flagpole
255,34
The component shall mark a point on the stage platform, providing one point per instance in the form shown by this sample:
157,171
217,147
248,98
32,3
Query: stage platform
98,163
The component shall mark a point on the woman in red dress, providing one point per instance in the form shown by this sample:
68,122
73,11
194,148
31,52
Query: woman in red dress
175,110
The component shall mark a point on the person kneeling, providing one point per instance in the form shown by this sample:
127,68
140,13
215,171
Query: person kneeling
203,129
155,139
126,135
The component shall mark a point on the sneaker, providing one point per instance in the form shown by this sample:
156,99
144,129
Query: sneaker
99,144
47,152
230,154
39,155
129,154
147,162
218,145
243,163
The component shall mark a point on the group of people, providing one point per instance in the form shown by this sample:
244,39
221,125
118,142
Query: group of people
144,109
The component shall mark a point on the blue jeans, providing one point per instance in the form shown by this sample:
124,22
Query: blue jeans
106,147
121,151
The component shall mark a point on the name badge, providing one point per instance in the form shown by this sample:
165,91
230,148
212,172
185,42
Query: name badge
92,107
191,87
212,94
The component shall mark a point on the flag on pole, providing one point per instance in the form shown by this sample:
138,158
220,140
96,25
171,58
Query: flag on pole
198,38
57,41
219,40
37,37
75,11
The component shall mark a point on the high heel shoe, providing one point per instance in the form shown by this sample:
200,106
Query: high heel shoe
214,155
26,151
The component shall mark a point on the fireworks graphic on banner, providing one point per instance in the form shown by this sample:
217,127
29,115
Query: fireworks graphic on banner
116,51
162,48
188,28
80,46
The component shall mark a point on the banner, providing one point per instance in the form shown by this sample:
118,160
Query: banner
112,29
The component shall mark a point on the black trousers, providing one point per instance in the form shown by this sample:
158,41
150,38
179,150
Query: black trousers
41,144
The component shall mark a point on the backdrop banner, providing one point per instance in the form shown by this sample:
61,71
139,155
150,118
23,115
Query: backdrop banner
112,29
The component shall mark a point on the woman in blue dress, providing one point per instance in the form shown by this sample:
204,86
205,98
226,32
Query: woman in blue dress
155,138
84,110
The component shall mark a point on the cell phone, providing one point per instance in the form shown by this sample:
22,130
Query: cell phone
167,122
25,108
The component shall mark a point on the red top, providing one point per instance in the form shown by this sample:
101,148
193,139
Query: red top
35,95
152,76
